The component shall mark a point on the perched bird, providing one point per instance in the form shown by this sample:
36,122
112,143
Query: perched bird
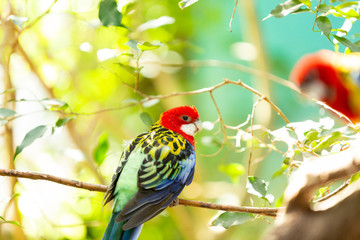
333,78
153,170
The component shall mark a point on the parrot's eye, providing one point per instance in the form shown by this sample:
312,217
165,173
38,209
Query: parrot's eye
185,118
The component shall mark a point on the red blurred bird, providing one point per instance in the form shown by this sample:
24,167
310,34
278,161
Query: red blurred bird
333,78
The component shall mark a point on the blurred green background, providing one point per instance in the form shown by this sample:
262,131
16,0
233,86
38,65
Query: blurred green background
59,50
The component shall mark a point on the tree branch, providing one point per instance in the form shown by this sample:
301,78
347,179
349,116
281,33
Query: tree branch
51,178
102,188
331,218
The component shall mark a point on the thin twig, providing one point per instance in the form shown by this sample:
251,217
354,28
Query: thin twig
254,72
223,207
232,17
48,177
102,188
317,12
194,92
279,112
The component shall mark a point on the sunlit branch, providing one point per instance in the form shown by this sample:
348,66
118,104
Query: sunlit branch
194,92
279,112
48,177
322,171
254,72
232,17
6,50
102,188
223,207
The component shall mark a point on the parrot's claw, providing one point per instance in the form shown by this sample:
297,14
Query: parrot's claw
174,203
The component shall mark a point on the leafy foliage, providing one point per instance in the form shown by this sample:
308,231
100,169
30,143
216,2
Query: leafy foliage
348,11
62,121
108,13
30,137
259,188
146,119
228,219
310,139
101,149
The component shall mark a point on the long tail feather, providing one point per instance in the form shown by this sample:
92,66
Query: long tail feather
114,230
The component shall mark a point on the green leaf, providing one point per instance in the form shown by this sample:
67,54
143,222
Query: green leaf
6,112
355,177
146,119
323,8
228,219
348,4
301,10
347,43
311,136
351,14
127,54
30,137
109,14
133,44
101,149
298,156
55,104
306,3
280,171
279,201
326,142
324,25
148,46
62,121
284,9
256,186
186,3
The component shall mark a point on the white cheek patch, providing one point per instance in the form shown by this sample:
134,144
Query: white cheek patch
317,90
189,129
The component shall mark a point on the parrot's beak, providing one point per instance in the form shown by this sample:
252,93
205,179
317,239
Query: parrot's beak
198,125
191,128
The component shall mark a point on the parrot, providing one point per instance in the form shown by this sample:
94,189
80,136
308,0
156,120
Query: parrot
153,170
333,78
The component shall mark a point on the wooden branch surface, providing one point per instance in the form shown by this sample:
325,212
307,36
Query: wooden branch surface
102,188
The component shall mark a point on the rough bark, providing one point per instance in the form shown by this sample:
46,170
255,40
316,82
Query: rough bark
336,218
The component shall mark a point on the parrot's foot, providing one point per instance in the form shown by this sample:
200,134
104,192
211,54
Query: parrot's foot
174,203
